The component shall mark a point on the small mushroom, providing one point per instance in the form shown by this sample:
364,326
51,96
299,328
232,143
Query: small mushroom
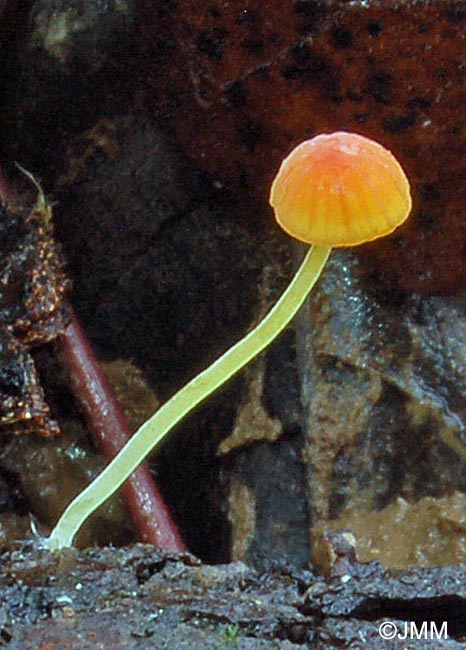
340,189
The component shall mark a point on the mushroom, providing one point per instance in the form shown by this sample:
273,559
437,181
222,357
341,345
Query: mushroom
340,189
335,190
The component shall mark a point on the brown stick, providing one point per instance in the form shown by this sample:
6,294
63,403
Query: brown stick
110,430
109,427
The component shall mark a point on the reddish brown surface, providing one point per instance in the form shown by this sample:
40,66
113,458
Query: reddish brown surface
243,82
32,285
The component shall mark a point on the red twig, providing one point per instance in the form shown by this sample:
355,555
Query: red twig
110,430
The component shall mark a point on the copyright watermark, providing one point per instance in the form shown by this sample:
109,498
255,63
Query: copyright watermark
413,630
388,630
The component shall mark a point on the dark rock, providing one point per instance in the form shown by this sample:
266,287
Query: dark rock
79,63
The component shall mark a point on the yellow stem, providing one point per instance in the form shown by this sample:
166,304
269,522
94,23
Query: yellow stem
187,398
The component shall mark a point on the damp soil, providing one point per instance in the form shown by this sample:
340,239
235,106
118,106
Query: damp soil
140,597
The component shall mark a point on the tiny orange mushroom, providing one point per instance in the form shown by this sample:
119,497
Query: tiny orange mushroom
340,189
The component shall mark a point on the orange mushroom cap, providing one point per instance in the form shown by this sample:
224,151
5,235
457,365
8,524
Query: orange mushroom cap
340,189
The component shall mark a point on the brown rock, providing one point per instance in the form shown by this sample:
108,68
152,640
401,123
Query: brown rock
385,415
